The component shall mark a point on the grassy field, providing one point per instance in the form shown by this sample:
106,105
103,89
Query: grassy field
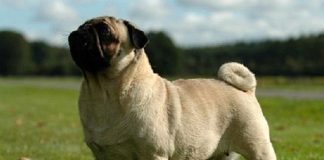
39,120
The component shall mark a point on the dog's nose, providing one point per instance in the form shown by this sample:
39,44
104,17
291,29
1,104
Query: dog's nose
78,35
74,36
84,53
79,38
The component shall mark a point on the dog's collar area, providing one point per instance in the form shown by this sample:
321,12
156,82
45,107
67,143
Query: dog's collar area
136,51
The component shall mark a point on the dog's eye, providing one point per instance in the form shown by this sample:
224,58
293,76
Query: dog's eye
105,33
103,30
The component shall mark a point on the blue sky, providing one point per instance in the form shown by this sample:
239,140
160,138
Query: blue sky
188,22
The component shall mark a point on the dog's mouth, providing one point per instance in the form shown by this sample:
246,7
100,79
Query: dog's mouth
87,47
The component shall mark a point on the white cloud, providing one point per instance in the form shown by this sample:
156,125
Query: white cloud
13,3
237,4
56,11
188,22
150,14
217,27
61,19
84,1
218,4
206,22
148,9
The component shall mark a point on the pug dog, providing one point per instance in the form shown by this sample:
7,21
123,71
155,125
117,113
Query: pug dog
128,112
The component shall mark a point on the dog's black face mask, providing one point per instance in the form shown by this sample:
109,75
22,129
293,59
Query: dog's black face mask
94,43
86,46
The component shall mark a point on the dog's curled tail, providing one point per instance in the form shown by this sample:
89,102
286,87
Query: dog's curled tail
238,76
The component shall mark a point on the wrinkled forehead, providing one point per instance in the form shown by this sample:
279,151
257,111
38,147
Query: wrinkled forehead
116,26
105,19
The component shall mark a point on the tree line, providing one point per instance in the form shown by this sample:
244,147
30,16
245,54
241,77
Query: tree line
303,56
20,57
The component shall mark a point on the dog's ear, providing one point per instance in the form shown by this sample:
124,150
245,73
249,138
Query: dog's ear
137,37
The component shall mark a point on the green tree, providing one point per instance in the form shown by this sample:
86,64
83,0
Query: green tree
64,63
163,54
43,57
15,54
52,60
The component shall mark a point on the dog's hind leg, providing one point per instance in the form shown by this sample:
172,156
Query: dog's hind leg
254,144
261,151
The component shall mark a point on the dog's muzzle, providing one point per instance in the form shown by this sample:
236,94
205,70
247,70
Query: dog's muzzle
86,50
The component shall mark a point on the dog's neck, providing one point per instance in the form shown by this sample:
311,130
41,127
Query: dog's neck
138,67
132,88
138,70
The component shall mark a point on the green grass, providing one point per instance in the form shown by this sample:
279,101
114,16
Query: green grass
39,120
297,127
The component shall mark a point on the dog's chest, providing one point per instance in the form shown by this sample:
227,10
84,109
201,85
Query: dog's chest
102,119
